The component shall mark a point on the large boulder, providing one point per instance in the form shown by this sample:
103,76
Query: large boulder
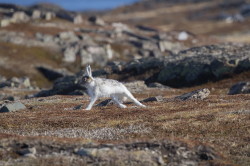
67,85
207,63
96,20
193,66
53,74
20,16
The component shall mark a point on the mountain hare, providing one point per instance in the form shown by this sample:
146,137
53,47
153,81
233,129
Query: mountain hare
100,87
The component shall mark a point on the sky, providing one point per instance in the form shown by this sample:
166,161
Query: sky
76,5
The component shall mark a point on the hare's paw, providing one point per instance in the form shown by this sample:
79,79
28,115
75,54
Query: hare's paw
122,106
87,109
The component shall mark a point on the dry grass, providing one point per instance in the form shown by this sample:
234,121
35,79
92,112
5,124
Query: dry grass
17,60
220,120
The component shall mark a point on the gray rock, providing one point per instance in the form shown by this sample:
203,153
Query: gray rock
105,103
199,94
7,98
12,107
67,85
174,47
136,86
151,99
77,19
69,53
245,10
20,17
15,82
158,85
5,22
96,20
68,36
44,38
240,88
201,64
27,152
36,14
78,107
49,16
96,54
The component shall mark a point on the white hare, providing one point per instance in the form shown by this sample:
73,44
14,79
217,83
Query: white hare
100,87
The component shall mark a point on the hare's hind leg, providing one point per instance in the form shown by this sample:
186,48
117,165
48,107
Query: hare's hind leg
116,100
131,97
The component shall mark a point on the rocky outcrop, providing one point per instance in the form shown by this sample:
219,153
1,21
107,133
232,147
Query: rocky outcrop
193,66
139,153
240,88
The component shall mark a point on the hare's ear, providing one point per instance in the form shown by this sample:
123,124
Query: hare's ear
89,71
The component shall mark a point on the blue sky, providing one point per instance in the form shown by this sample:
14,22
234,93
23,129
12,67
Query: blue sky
76,4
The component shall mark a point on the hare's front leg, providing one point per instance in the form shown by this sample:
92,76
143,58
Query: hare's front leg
91,103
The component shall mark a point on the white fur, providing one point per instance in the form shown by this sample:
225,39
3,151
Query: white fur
100,87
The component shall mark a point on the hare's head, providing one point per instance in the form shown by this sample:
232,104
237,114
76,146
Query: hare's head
87,76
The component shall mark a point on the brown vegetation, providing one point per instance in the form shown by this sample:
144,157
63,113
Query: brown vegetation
222,121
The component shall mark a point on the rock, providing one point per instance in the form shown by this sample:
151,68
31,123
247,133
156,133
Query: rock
69,53
105,103
197,94
15,82
12,107
151,99
136,86
183,36
140,153
77,19
8,98
146,28
5,22
20,17
78,107
96,20
96,54
201,64
67,85
45,38
158,85
174,47
53,74
49,16
27,152
240,88
245,10
120,27
36,14
68,36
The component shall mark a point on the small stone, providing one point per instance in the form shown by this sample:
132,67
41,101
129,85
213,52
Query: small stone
78,107
12,107
151,99
197,94
104,103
